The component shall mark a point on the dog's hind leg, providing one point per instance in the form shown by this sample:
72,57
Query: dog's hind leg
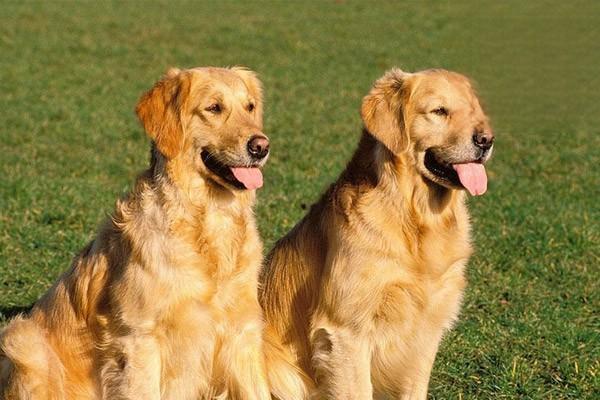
29,367
286,379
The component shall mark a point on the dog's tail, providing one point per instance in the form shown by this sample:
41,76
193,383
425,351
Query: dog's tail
29,368
287,380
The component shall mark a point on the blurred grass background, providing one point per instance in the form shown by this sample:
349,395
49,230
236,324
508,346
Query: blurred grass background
70,74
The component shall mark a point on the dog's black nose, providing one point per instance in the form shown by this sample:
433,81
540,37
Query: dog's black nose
483,140
258,147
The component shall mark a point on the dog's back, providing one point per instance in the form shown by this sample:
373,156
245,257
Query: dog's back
289,281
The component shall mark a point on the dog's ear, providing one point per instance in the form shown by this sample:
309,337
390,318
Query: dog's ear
159,111
382,110
254,88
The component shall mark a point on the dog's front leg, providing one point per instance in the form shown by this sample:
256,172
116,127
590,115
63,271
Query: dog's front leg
242,359
342,363
132,369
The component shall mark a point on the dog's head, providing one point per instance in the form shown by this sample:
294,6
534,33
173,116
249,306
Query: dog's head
211,117
435,117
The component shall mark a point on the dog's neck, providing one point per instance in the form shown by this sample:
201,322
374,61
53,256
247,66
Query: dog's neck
375,167
193,191
169,201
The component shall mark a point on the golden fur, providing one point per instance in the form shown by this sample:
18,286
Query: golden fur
162,304
360,292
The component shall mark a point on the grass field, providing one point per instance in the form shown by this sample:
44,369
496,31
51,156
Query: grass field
70,74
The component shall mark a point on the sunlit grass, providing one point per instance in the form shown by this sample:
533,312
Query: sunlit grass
70,74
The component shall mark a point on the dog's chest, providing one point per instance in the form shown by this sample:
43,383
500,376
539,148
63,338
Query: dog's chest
218,262
408,300
226,243
425,281
219,246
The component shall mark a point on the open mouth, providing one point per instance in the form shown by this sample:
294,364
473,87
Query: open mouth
468,175
441,170
238,177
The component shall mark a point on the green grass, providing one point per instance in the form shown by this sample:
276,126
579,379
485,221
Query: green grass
70,74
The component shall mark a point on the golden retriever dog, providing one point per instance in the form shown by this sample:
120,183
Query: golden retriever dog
360,292
163,304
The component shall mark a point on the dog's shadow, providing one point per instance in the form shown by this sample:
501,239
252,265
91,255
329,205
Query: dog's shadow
9,312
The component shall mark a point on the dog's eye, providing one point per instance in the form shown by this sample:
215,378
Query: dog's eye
214,108
251,107
442,111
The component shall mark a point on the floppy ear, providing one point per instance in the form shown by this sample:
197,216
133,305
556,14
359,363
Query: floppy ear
254,88
382,110
159,111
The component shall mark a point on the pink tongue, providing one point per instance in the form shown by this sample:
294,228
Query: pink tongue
473,177
251,177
